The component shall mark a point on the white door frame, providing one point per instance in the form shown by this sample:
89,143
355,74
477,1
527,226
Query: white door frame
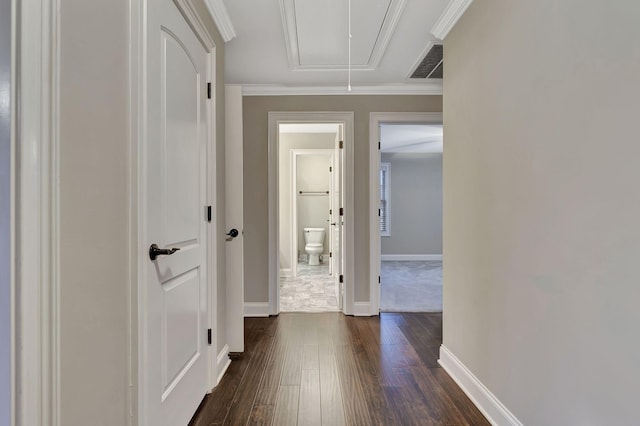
37,219
137,176
295,153
276,118
375,119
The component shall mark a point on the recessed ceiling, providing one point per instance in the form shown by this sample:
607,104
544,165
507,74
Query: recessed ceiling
317,32
302,43
413,138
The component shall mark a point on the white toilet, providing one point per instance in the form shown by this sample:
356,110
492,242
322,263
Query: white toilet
313,238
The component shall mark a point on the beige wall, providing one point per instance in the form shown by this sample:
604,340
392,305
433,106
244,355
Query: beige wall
289,141
255,112
94,210
415,206
541,206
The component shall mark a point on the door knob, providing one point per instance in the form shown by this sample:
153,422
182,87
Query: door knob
155,251
232,234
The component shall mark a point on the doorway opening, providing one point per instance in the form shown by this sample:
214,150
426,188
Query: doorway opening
406,198
310,200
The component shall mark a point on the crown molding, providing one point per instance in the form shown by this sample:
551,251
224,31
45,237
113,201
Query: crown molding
452,13
220,16
386,32
289,30
431,88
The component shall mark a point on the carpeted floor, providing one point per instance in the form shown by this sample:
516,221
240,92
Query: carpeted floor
410,286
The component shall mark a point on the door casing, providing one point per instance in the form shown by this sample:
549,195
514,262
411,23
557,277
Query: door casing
281,117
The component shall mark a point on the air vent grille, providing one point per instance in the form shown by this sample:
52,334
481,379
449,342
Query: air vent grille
431,65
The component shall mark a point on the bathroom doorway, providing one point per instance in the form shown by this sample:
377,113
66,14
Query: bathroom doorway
309,182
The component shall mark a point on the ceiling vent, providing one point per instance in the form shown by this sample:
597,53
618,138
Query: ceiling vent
431,65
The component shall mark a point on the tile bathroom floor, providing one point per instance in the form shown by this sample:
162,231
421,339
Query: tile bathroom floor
313,290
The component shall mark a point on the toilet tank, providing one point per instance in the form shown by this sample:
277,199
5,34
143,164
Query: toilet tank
314,235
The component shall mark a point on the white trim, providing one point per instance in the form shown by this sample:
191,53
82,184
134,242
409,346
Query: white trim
37,219
221,17
362,309
293,211
448,19
222,363
480,395
256,309
286,272
274,118
195,22
429,88
212,231
375,119
410,257
290,32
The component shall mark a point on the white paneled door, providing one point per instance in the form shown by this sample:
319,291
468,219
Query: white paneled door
174,289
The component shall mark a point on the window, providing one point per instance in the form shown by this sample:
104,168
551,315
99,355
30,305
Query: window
384,199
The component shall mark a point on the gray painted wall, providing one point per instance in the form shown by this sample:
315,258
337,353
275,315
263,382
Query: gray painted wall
415,206
289,141
6,347
256,206
542,206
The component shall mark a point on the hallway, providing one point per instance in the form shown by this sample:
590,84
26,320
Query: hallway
331,369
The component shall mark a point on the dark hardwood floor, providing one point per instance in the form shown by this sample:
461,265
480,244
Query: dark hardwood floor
331,369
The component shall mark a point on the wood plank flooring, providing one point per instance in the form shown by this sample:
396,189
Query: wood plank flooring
330,369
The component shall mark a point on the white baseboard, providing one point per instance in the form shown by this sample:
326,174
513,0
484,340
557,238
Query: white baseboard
487,403
415,257
362,309
256,309
286,272
222,363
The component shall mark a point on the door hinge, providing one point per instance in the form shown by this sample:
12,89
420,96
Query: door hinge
209,90
330,169
341,144
209,336
341,278
330,211
208,213
330,254
379,145
379,214
378,279
341,211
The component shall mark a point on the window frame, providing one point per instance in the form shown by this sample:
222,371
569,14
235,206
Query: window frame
386,167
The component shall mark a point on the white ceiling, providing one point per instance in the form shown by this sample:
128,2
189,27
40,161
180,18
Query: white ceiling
303,43
414,138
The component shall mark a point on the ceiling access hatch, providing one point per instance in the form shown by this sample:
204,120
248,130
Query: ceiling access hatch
431,65
317,32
